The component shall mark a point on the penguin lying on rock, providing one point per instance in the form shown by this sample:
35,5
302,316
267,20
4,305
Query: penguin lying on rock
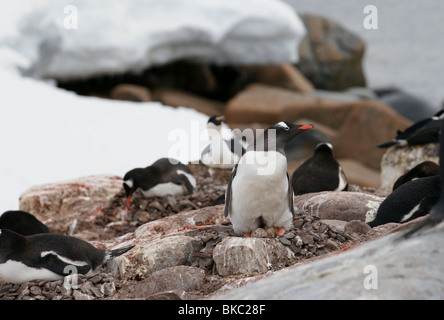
164,177
259,191
321,172
421,132
48,256
409,201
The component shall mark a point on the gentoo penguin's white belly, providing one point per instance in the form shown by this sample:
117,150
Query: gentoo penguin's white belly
17,272
163,189
259,190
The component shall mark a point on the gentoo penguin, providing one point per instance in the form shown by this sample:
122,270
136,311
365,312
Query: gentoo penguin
421,170
259,192
421,132
321,172
409,201
436,212
48,256
166,176
222,152
22,222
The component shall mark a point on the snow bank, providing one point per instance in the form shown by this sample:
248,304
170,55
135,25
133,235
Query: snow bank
75,39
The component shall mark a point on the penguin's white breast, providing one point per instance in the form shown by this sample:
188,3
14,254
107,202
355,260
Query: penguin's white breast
260,186
17,272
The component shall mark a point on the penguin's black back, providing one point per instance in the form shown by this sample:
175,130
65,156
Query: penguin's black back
421,170
22,222
405,198
70,247
318,173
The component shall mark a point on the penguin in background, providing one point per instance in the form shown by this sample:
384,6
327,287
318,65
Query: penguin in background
22,222
421,170
49,256
320,172
421,132
222,152
259,191
409,201
436,212
164,177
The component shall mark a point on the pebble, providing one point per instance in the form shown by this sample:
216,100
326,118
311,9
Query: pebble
90,287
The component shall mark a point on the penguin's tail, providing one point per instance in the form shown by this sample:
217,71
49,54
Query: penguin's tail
387,144
117,252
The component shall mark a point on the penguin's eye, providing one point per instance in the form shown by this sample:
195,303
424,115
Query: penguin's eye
286,128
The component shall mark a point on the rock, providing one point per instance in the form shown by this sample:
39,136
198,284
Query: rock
386,268
59,205
270,104
344,205
248,256
130,92
183,278
396,161
159,254
367,124
330,55
283,75
359,174
357,226
178,98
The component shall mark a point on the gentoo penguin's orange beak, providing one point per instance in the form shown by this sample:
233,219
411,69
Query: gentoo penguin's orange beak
306,127
128,201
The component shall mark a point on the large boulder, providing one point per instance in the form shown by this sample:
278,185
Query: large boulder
339,205
330,55
396,161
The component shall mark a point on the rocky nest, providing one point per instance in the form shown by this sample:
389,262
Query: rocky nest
310,238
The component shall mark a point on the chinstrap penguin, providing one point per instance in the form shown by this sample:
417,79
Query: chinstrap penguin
320,172
48,256
421,170
259,191
409,201
164,177
222,152
421,132
22,222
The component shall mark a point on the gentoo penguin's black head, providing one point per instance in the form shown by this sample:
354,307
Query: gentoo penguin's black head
144,178
324,147
216,120
278,135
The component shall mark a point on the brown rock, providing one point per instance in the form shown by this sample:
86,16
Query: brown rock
178,98
359,174
339,205
182,278
130,92
367,124
330,55
282,75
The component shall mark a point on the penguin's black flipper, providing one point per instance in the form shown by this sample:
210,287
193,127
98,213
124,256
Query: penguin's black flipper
290,196
227,208
53,263
387,144
182,179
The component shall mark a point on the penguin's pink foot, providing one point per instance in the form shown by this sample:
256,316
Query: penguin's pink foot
280,232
